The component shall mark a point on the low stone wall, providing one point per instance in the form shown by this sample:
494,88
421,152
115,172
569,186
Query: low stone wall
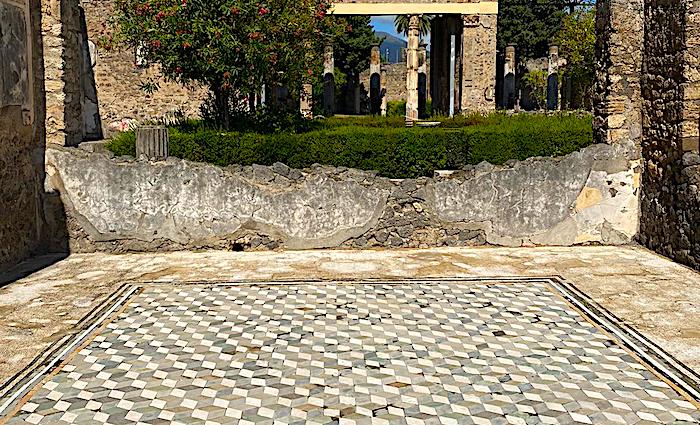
119,204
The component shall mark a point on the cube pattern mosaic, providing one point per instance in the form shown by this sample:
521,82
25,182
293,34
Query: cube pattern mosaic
481,352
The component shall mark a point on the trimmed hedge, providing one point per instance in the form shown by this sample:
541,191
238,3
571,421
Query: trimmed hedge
381,145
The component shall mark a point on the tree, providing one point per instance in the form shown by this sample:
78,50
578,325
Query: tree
576,40
352,47
530,24
401,23
234,47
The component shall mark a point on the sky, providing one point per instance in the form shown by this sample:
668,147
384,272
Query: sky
386,24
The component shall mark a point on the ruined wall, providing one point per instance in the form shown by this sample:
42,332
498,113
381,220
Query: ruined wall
395,81
589,196
479,63
670,202
21,131
119,79
60,28
619,46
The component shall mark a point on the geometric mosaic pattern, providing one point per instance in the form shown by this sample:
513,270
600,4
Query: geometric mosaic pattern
482,352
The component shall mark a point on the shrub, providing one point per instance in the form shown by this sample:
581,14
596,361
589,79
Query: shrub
382,144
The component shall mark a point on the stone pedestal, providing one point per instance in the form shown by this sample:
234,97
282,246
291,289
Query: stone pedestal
152,142
412,70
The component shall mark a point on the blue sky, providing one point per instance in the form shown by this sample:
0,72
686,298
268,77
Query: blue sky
386,24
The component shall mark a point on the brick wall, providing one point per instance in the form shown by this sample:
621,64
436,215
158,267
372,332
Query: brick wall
118,79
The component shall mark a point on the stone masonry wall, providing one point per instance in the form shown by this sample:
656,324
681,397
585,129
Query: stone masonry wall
60,28
479,63
670,202
619,45
21,131
119,205
118,78
395,81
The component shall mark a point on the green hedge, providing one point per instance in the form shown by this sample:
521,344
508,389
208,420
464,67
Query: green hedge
391,150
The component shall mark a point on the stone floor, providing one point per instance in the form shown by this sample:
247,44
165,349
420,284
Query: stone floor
657,297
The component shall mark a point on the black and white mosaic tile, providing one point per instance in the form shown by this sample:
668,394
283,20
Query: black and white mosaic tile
419,352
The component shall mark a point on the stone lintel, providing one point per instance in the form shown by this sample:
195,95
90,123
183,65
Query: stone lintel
406,8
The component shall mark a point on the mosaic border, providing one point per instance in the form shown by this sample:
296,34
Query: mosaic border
681,378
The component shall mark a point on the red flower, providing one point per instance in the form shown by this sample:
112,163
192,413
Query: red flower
155,44
160,15
262,11
310,72
178,70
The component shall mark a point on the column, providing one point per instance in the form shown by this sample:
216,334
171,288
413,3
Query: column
412,70
478,63
328,82
617,102
375,85
306,101
62,57
384,106
422,79
509,78
553,79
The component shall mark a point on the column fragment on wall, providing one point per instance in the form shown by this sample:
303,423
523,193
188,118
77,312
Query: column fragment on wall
479,63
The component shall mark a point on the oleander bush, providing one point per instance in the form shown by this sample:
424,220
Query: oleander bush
382,144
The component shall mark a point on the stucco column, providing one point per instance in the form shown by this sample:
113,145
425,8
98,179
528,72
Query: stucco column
422,79
328,81
412,70
306,101
509,77
617,102
553,79
375,84
384,105
478,63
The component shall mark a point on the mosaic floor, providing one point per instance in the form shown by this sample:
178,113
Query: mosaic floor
424,352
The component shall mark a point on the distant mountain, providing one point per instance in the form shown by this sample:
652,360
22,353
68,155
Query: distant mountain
393,44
